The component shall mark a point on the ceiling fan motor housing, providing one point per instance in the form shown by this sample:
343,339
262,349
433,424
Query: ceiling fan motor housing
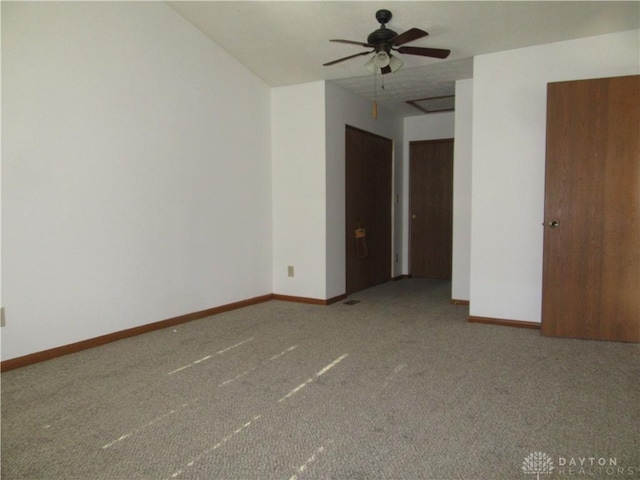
381,39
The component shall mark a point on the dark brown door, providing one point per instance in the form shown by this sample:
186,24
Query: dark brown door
431,208
591,266
368,206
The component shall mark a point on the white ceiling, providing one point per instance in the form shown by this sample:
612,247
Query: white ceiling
286,42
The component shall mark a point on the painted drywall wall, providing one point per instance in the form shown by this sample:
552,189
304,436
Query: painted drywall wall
308,152
1,303
462,171
509,108
344,108
299,190
136,172
433,126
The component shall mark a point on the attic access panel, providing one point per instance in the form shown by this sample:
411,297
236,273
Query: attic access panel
444,103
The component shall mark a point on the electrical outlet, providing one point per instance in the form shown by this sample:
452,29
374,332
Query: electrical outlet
2,320
290,271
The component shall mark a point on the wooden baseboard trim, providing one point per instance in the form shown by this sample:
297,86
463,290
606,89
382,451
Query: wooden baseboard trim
400,277
310,301
455,301
37,357
504,322
336,299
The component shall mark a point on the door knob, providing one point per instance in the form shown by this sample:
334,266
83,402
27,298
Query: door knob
554,224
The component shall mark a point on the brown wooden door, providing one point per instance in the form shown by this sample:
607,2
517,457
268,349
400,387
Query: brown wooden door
591,266
431,208
368,205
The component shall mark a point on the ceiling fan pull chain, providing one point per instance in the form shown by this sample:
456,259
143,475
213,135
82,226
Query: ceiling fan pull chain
375,94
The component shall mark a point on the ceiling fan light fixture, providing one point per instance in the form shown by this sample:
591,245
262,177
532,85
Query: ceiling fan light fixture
395,63
369,65
389,65
381,59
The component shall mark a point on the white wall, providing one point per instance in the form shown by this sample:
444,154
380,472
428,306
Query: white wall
136,172
299,190
432,126
343,108
462,171
1,302
308,151
509,108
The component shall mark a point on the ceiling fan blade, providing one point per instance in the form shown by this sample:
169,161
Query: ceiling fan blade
425,52
346,58
408,36
351,42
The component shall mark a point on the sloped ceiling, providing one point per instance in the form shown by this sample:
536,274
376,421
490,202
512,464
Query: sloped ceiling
286,42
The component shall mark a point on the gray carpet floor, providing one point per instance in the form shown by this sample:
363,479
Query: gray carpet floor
397,386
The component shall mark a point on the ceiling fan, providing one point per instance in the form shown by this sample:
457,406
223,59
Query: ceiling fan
384,40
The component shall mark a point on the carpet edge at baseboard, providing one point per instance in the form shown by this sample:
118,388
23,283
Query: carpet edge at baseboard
504,322
55,352
310,301
456,301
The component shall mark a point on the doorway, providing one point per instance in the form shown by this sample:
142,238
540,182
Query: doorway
431,208
368,230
